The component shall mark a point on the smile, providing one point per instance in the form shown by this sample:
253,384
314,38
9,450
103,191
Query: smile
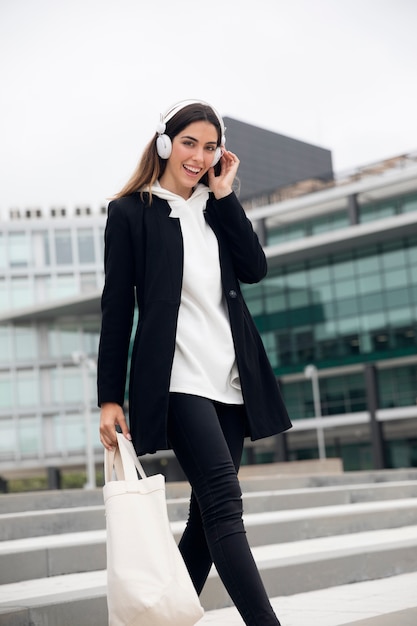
192,170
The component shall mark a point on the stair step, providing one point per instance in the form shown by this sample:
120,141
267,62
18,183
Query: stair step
286,569
38,557
32,523
383,602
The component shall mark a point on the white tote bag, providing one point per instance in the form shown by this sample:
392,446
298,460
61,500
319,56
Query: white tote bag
147,581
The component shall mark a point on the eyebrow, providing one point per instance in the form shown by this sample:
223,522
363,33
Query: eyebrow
196,140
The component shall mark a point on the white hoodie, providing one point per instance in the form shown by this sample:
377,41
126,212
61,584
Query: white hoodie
204,360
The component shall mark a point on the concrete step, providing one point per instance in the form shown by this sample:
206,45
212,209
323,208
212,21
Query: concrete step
38,557
60,519
286,569
250,480
384,602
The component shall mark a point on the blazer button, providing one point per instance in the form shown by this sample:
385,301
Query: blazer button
232,293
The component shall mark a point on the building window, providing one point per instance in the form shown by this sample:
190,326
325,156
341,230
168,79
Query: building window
21,291
3,255
29,436
63,247
19,249
27,385
25,343
41,248
88,282
65,285
85,239
6,390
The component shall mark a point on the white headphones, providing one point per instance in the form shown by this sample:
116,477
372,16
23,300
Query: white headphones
163,141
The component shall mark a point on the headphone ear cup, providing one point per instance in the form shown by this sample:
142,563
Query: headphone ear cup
217,156
163,146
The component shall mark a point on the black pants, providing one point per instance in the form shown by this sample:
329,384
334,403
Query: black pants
207,438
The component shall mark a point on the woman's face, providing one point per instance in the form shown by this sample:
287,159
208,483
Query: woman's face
192,155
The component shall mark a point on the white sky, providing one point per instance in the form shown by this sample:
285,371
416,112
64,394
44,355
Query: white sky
82,82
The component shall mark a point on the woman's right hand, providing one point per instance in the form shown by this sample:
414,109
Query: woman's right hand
111,415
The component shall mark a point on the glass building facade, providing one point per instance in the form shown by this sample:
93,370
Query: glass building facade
340,294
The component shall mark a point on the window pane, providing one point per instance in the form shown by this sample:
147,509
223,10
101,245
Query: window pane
3,256
29,436
63,247
25,343
21,292
41,251
6,391
85,238
5,344
27,388
65,285
88,283
19,252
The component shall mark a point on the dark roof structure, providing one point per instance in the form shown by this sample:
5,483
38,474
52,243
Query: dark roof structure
269,160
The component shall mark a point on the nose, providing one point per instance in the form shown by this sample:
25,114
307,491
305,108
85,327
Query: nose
198,153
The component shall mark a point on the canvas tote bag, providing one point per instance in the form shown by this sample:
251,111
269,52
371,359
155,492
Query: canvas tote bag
147,581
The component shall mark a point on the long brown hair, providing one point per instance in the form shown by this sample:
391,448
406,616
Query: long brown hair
151,167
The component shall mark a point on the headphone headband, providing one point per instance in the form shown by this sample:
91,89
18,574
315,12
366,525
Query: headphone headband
175,108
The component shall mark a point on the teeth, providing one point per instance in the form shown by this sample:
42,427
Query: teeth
194,170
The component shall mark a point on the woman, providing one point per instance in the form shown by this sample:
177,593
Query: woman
200,381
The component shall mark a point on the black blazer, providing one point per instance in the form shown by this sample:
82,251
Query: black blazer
144,253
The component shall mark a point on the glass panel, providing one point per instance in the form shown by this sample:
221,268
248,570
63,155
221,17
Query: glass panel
3,255
4,295
343,268
412,254
371,302
298,298
67,385
5,344
319,273
8,442
88,283
6,390
21,291
347,307
65,285
41,250
296,278
393,257
85,239
409,203
367,261
19,250
277,302
322,293
70,339
101,240
398,297
69,429
25,343
370,283
27,388
29,436
63,247
91,338
396,278
345,288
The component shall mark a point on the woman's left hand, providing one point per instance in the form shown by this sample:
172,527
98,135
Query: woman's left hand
221,185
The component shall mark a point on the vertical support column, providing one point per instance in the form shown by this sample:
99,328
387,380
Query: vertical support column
376,432
281,443
281,449
261,232
353,209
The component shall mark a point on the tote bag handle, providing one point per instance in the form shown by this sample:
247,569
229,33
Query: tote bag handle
123,460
